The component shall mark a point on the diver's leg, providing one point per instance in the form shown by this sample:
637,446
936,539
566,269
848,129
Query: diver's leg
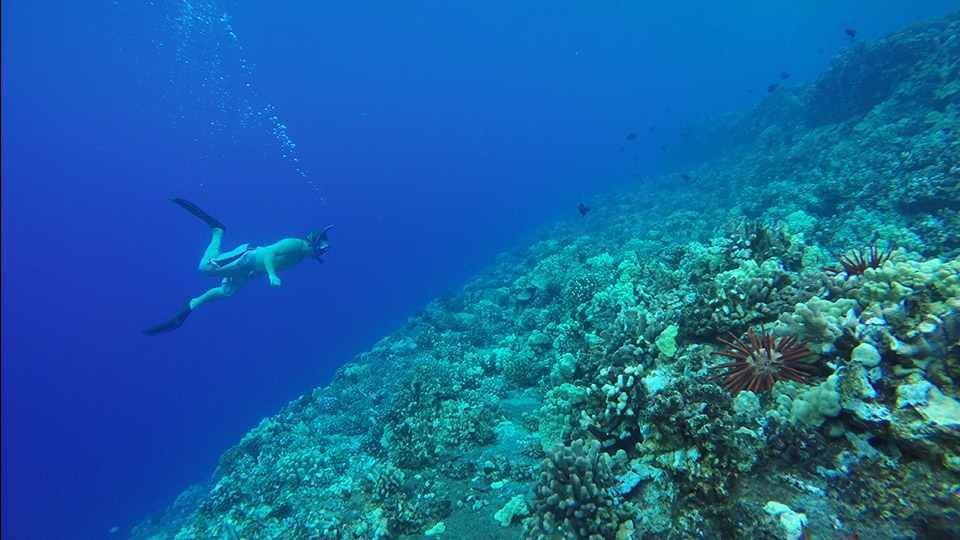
213,250
228,287
215,293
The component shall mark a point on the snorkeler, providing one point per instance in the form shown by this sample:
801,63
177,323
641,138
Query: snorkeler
239,266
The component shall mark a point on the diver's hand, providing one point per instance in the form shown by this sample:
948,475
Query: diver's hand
274,282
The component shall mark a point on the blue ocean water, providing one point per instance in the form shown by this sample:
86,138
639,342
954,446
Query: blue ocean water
433,135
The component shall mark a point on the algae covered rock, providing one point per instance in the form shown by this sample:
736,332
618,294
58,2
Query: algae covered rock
926,421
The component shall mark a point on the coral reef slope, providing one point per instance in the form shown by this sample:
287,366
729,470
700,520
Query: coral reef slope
567,393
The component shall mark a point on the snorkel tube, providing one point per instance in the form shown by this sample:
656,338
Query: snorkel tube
318,243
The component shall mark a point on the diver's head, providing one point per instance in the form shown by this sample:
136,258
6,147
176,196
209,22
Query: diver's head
318,243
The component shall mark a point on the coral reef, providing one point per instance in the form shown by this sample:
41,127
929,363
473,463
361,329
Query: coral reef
566,393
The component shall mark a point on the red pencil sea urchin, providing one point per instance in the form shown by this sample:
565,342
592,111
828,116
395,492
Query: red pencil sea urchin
856,262
761,362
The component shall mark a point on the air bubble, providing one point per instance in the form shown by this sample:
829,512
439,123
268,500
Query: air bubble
209,65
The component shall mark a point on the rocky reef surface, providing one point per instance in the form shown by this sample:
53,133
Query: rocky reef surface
573,391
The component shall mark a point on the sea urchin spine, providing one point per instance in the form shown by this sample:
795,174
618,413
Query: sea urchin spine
761,362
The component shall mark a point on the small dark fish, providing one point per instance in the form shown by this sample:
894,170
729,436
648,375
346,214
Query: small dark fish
583,209
784,75
652,129
622,148
685,176
773,87
851,32
663,148
688,132
631,136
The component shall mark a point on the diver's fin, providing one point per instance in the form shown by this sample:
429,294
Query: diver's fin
170,325
195,210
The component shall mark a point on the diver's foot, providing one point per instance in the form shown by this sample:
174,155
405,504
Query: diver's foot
172,324
195,210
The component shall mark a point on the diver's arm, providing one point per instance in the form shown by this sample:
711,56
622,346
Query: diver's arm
269,259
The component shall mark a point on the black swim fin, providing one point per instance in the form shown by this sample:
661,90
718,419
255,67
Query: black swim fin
195,210
170,325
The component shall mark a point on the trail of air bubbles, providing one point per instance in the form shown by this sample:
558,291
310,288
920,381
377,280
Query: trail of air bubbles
209,74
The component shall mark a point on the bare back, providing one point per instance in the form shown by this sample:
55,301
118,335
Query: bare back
285,254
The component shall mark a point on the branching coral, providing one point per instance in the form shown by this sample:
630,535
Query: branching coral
576,495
